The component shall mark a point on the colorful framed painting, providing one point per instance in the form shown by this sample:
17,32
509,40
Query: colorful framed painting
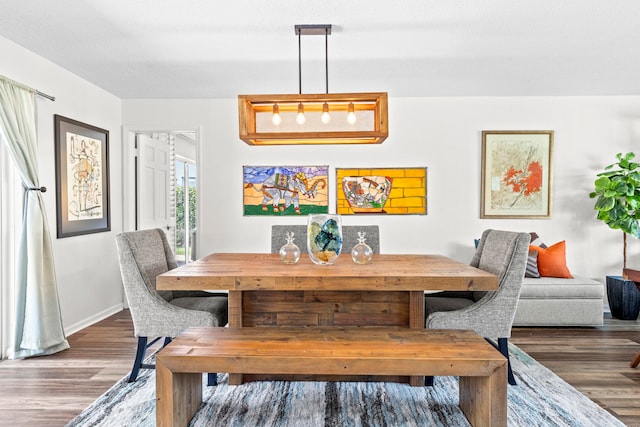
382,191
516,174
285,190
82,178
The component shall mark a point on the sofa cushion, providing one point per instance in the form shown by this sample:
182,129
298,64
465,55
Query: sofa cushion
532,265
552,261
536,240
553,287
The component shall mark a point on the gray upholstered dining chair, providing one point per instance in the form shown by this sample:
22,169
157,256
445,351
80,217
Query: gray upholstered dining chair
490,314
349,237
143,255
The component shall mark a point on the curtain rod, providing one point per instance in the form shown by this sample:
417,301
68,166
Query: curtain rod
35,91
44,95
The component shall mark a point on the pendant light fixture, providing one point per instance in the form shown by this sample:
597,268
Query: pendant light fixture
359,118
300,119
276,119
325,117
351,114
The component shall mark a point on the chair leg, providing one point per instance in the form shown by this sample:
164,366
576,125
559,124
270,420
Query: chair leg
141,351
212,379
137,363
428,381
503,347
636,361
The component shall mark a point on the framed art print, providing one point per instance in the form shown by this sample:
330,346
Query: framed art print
285,190
82,178
383,191
516,174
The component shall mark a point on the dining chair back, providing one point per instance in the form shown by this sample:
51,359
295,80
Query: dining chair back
490,314
349,237
143,255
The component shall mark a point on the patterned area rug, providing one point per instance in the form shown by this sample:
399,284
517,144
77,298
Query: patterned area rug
541,398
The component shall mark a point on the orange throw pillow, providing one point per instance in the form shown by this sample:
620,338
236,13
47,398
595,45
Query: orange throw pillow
552,261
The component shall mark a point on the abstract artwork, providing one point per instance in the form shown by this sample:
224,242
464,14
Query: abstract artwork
385,191
82,177
516,174
285,190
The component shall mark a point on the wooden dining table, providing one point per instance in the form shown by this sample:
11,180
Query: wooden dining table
389,291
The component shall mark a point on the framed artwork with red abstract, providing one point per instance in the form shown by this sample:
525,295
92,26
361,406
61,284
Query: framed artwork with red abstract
516,174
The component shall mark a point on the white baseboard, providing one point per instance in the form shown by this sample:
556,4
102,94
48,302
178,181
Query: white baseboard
93,319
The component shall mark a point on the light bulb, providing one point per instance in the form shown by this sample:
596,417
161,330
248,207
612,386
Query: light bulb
325,118
276,119
300,117
351,114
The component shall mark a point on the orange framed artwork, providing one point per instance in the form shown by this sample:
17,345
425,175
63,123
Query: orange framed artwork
382,191
516,174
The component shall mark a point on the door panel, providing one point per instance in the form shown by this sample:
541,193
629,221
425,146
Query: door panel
154,188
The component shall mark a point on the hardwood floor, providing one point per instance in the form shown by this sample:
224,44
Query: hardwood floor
596,361
50,391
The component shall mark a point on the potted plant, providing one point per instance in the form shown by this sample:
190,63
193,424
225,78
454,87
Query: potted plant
618,204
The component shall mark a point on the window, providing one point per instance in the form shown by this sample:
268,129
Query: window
186,196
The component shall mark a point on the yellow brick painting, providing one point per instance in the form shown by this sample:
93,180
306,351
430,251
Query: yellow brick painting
384,191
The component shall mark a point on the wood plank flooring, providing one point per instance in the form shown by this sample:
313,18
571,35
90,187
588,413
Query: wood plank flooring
596,361
50,391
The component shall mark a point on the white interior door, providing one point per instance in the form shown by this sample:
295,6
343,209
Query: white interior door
154,189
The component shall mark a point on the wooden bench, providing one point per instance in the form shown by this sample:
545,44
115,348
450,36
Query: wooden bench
331,351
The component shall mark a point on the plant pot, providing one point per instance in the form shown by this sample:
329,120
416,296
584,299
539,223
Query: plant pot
624,298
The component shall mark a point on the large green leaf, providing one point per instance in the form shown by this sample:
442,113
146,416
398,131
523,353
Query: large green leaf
605,203
618,212
634,179
627,225
622,188
602,184
633,202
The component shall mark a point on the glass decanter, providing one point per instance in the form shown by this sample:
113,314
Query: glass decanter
290,252
361,253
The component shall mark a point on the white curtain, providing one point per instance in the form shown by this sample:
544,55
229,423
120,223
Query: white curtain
38,322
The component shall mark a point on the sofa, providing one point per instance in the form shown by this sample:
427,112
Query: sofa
551,295
552,301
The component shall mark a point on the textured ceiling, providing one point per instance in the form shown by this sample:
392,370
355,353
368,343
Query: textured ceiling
219,49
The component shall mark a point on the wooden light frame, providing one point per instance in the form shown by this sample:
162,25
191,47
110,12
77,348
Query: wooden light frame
250,105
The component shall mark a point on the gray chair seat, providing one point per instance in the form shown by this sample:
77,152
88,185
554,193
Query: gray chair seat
439,303
215,305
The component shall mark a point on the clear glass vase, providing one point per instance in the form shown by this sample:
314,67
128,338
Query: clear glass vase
324,238
290,252
361,252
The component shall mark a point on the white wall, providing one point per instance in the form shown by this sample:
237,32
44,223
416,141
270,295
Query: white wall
443,134
87,269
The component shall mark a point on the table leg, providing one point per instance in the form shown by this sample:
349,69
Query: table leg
416,321
178,396
235,321
483,400
235,309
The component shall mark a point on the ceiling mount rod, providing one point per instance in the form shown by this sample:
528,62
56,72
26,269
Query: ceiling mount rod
314,30
326,60
299,64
